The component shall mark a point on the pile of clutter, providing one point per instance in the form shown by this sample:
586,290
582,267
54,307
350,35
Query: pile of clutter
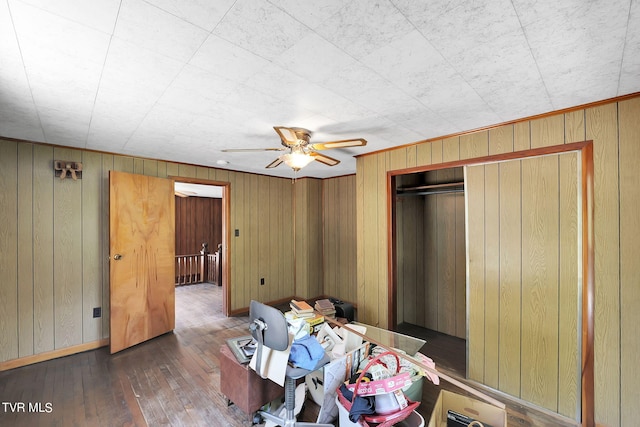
302,314
385,390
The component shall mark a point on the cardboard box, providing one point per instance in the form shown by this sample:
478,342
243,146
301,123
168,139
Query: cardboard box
483,412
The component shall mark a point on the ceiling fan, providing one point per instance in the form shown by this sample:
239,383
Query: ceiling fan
299,151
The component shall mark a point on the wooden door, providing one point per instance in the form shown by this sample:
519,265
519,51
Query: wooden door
142,258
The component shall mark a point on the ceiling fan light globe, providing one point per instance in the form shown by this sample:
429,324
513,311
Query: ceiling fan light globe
297,161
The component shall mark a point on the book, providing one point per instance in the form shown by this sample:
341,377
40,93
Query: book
315,320
325,307
324,304
300,306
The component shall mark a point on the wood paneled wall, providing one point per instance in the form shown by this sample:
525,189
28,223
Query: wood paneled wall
262,210
615,131
339,244
430,252
308,237
54,244
198,220
524,302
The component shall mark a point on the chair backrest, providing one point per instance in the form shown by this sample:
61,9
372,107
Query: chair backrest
268,325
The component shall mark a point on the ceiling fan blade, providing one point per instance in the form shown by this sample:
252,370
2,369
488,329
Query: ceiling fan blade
339,144
329,161
179,194
287,135
247,150
275,163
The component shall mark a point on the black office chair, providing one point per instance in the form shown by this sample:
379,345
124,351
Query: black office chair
269,327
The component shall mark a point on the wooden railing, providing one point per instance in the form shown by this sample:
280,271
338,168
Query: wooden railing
198,268
213,268
190,269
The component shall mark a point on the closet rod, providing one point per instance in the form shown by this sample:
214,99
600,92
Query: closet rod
428,193
432,186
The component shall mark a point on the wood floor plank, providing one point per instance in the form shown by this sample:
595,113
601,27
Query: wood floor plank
174,379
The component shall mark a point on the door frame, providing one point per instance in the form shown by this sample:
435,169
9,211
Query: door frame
585,149
226,234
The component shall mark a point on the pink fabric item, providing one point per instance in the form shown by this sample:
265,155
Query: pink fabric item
431,364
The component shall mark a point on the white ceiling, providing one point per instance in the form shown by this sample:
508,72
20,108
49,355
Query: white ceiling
180,80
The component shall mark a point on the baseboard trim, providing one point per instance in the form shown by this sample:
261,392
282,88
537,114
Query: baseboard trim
53,354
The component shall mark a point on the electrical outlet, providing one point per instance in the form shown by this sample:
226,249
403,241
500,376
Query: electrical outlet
97,312
262,280
237,232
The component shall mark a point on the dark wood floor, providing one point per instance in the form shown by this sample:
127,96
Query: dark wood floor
173,379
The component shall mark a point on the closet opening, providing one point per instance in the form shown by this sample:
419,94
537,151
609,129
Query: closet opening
430,262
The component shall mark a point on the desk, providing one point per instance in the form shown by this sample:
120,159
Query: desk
242,386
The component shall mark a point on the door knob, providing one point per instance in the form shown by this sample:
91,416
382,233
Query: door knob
117,257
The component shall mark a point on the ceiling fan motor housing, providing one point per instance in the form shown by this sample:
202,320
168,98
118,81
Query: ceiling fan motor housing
302,137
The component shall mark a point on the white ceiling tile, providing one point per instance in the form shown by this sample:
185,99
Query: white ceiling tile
452,31
204,13
423,13
18,115
44,36
391,71
260,27
64,127
565,44
630,72
328,106
228,60
314,59
147,26
137,72
111,129
97,14
195,89
416,55
363,26
255,104
311,14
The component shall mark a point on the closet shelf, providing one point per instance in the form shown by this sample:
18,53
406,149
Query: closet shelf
427,190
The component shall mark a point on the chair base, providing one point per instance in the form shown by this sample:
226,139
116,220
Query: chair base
286,422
